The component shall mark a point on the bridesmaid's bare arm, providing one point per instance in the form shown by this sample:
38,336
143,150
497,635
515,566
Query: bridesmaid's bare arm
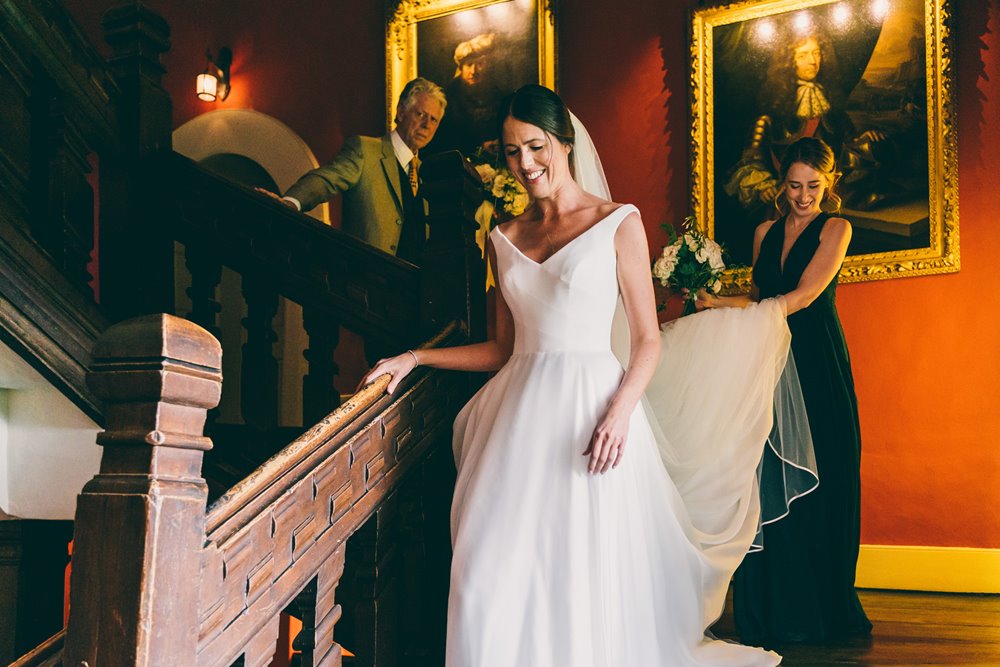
823,267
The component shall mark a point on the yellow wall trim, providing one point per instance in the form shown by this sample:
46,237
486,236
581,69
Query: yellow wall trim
947,569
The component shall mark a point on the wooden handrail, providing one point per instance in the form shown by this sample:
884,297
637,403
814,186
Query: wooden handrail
261,487
46,654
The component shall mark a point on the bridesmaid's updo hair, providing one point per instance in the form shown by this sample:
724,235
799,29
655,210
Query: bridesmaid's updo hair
538,106
813,153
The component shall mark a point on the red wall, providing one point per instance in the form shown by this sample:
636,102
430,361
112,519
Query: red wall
926,351
319,68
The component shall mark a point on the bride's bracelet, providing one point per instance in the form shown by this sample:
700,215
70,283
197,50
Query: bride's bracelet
416,362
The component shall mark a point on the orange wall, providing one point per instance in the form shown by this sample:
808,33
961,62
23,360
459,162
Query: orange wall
926,351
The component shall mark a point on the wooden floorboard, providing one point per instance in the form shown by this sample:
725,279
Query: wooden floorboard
909,629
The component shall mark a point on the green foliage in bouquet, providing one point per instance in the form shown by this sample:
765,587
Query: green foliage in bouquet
690,261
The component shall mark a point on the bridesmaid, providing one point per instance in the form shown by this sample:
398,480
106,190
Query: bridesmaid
800,588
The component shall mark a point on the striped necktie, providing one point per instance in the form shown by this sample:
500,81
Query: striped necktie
414,183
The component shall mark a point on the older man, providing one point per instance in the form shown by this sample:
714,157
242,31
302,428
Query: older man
377,176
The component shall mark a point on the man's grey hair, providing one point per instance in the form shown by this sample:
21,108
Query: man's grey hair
420,86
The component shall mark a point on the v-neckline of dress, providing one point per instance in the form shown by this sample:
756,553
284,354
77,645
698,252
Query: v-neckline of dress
566,245
784,260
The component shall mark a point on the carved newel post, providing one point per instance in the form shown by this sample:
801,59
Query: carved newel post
140,523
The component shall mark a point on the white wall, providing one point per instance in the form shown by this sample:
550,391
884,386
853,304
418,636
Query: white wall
48,448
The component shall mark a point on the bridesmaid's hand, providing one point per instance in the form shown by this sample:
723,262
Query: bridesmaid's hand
607,445
397,367
703,299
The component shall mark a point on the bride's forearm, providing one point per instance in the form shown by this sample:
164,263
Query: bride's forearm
643,359
477,357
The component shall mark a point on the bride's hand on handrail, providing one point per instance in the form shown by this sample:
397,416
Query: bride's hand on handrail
397,367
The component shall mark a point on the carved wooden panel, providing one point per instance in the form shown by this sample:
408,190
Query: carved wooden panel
269,558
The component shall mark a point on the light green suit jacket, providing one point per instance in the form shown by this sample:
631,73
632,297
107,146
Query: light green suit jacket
366,173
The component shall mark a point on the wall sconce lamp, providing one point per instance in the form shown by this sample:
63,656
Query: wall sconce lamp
213,83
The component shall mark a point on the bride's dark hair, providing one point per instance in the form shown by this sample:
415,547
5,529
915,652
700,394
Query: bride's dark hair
540,107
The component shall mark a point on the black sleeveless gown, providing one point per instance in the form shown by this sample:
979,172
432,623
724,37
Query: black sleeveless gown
800,588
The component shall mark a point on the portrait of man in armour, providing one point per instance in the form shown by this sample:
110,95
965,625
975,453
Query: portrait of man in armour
843,73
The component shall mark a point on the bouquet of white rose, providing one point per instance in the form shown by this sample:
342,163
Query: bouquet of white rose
691,261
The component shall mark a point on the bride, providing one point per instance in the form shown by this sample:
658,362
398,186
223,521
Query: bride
586,532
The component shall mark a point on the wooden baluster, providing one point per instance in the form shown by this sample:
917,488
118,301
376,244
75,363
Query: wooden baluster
319,613
371,590
259,386
260,650
140,523
326,651
319,395
206,275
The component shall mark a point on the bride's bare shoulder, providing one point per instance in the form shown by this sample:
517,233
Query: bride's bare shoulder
604,208
506,228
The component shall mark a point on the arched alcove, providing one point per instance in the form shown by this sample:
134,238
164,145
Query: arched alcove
256,136
254,150
241,170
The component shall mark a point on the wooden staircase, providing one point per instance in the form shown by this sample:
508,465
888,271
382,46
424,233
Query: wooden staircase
342,521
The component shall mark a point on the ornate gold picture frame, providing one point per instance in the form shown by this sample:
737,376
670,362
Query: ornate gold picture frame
514,40
873,78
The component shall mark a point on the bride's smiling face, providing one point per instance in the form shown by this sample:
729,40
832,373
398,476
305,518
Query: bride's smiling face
537,159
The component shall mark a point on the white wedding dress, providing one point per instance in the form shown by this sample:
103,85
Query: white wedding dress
554,567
